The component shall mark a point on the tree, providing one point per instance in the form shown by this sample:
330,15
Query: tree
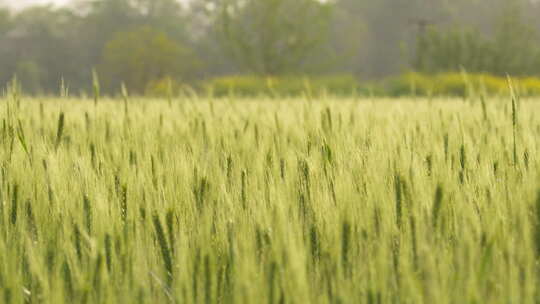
346,47
271,36
452,50
516,47
30,76
5,21
512,49
110,16
5,65
38,40
142,55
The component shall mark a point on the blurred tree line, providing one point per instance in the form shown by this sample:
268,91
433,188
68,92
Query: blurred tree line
138,42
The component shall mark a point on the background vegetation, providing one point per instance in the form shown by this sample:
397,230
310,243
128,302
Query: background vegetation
144,42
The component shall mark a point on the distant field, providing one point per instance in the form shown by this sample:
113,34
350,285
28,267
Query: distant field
269,201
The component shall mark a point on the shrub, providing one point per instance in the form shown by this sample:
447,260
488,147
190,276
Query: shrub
167,87
342,85
529,86
455,84
407,84
452,84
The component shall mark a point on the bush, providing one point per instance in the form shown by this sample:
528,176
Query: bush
168,87
249,86
456,85
409,84
529,86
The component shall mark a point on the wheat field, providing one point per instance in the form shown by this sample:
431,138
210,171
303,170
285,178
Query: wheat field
300,200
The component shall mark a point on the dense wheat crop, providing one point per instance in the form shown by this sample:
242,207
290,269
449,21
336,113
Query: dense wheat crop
269,201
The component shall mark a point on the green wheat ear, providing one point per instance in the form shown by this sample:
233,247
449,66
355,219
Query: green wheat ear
536,223
22,139
14,204
96,86
125,97
345,244
514,118
64,90
165,249
437,205
484,107
87,208
59,130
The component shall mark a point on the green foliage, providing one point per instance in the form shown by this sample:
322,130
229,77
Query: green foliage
5,21
142,55
37,47
30,75
368,39
271,37
512,49
451,50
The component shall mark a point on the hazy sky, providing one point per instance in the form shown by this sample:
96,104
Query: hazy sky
22,3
